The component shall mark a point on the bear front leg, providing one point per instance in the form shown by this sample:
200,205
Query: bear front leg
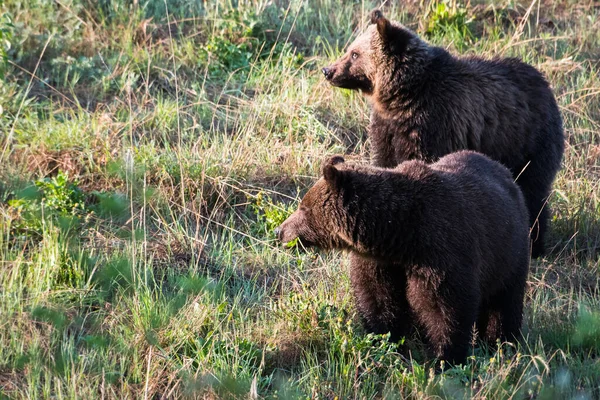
489,325
380,295
509,304
447,311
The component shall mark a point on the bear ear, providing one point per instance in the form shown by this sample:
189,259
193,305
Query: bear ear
334,160
383,24
332,175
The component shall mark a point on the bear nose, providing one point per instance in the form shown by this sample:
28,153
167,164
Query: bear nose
277,232
328,72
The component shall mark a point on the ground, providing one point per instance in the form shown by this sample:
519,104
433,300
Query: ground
148,150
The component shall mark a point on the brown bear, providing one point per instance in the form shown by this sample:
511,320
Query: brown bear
427,103
438,247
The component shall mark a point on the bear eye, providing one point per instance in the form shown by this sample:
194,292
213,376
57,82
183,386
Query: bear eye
354,55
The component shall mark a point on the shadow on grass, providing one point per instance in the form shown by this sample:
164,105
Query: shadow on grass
574,235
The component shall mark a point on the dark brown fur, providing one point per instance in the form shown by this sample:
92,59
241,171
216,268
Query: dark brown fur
428,103
440,247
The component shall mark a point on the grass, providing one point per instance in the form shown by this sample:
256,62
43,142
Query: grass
150,147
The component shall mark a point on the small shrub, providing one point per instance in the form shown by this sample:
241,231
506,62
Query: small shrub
61,195
448,18
240,37
56,200
236,39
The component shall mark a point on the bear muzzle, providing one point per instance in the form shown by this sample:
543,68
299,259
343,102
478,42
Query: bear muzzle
283,235
286,232
328,72
277,232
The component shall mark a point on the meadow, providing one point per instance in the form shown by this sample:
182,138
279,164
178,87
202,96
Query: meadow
150,147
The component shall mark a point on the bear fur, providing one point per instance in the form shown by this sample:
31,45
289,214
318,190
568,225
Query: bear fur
427,103
438,247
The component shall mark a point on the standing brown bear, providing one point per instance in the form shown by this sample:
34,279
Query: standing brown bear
428,103
438,246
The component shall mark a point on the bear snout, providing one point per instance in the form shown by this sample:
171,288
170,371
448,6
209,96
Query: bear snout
285,235
277,233
289,229
328,72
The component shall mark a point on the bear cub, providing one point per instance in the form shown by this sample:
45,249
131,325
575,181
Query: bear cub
427,103
439,247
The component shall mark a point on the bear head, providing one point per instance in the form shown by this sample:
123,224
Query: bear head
317,221
377,50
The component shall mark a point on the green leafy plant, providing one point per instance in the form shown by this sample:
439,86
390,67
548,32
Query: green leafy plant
235,42
269,215
448,17
54,199
61,195
376,351
239,37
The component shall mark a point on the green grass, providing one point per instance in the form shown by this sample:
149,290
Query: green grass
150,147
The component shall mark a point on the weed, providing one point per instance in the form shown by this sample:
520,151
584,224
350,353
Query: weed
56,201
61,195
238,39
448,18
269,215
